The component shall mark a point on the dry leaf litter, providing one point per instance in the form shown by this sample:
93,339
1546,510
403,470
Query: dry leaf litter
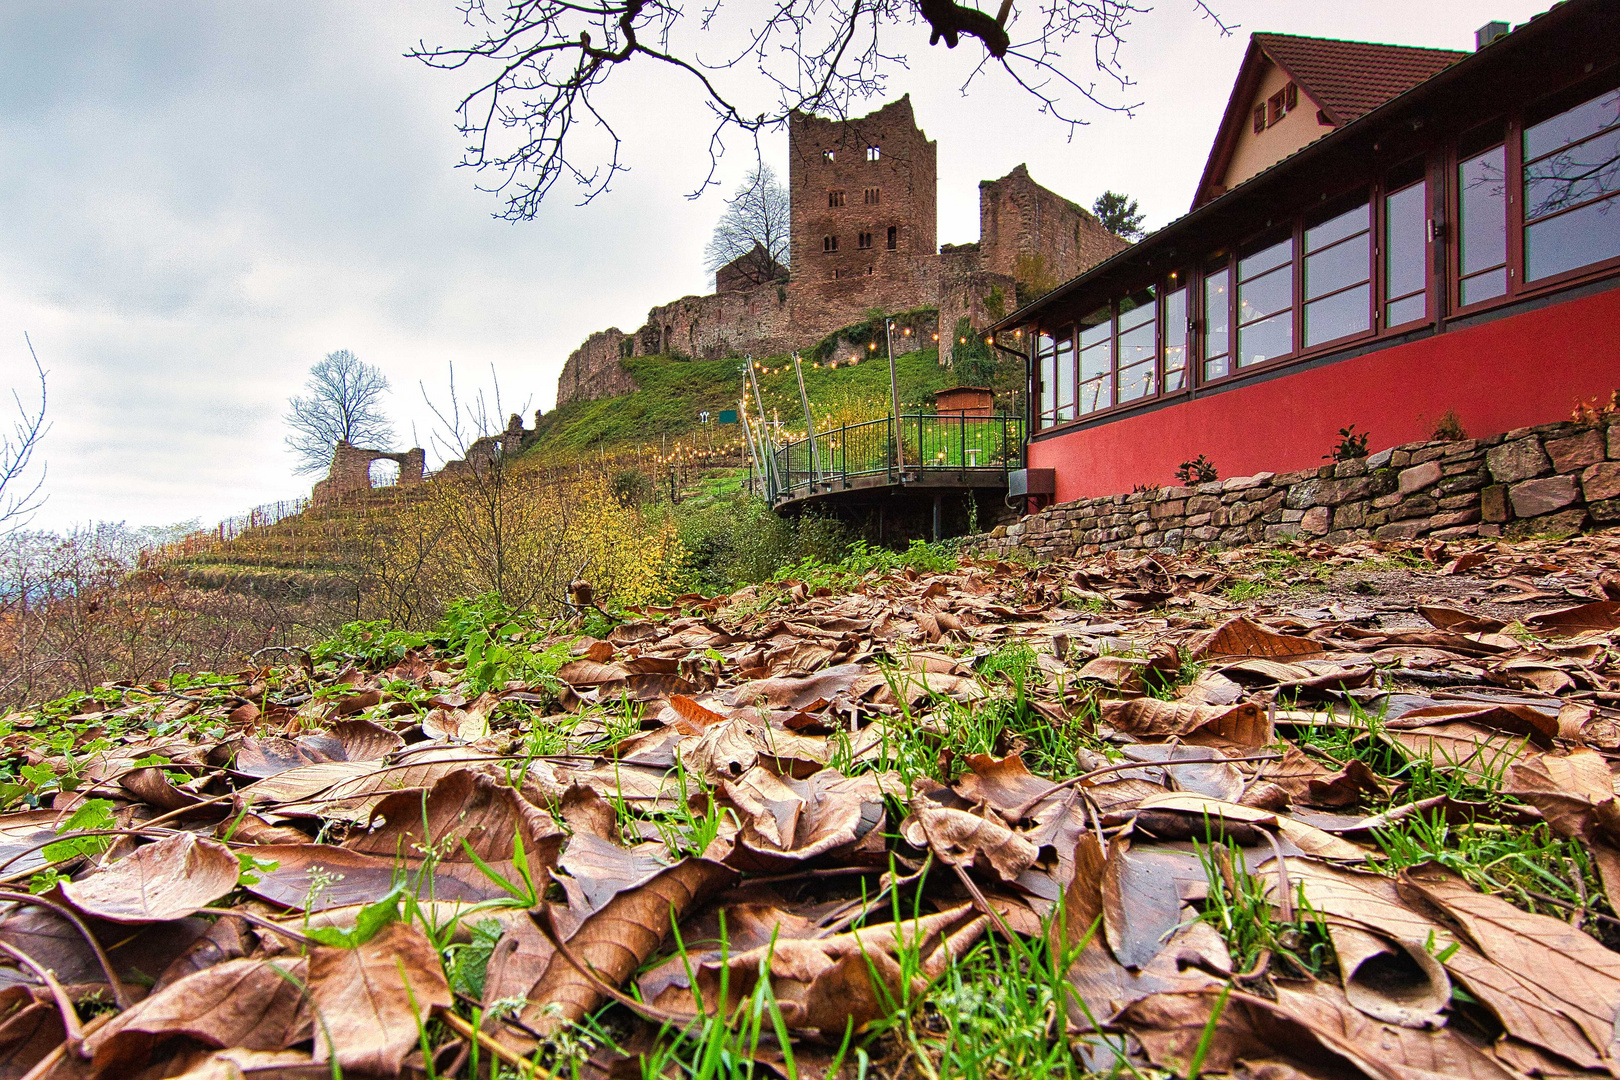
1298,811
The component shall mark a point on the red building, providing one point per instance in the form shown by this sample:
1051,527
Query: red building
1390,237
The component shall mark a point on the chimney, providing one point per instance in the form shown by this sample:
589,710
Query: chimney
1489,33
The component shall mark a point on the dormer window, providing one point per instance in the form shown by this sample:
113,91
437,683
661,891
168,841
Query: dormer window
873,153
1276,107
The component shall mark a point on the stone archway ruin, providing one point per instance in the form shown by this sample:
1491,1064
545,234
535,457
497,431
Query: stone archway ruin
351,470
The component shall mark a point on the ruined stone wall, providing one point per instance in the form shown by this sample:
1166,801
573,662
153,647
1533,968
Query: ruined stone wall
593,370
1554,478
966,288
1027,230
351,469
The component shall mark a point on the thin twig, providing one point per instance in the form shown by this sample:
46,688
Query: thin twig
70,1016
120,995
489,1042
1022,809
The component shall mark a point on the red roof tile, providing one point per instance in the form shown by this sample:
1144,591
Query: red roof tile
1350,78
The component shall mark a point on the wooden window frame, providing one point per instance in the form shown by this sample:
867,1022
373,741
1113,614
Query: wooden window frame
1374,205
1296,242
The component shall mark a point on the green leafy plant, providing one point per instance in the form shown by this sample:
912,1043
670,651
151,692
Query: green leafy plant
1200,470
1351,445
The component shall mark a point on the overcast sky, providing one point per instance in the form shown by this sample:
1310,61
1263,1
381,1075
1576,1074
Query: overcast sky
199,200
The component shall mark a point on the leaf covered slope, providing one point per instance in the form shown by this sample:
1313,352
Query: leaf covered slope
982,819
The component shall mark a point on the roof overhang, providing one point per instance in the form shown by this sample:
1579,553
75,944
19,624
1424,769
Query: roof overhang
1178,239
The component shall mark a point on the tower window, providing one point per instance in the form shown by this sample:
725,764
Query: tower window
894,237
873,153
829,243
872,196
827,155
835,198
864,240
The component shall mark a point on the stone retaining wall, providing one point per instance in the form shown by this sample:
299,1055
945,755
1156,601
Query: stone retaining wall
1553,478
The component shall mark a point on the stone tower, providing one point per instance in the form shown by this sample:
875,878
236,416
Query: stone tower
863,195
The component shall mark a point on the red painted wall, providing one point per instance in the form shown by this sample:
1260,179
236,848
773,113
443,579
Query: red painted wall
1513,372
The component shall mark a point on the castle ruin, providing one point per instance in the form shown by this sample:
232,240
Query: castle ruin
864,235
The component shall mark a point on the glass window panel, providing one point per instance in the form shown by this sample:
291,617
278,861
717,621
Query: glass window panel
1573,125
1175,340
1217,322
1097,394
1137,308
1573,176
1405,231
1096,360
1136,382
1096,327
1337,228
1411,309
1347,312
1265,259
1340,266
1484,286
1045,352
1218,368
1266,294
1482,235
1064,362
1267,339
1138,334
1578,238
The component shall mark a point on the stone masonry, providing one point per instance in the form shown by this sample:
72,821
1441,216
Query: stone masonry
850,183
1556,478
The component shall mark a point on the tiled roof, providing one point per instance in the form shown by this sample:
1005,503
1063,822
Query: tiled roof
1350,78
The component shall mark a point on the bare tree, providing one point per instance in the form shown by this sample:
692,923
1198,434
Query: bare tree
343,399
540,65
20,488
754,228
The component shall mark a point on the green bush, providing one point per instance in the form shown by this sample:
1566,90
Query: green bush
737,540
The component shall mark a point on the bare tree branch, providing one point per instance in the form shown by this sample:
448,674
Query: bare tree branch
20,499
343,400
541,62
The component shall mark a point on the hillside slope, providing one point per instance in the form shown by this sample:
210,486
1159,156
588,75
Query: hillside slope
671,392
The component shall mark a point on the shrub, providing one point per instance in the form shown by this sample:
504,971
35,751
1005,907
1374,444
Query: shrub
1351,445
1448,428
631,487
737,540
1200,470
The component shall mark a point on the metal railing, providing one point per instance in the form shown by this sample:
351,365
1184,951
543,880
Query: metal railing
929,443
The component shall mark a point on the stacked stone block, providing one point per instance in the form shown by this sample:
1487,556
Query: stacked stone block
1555,478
